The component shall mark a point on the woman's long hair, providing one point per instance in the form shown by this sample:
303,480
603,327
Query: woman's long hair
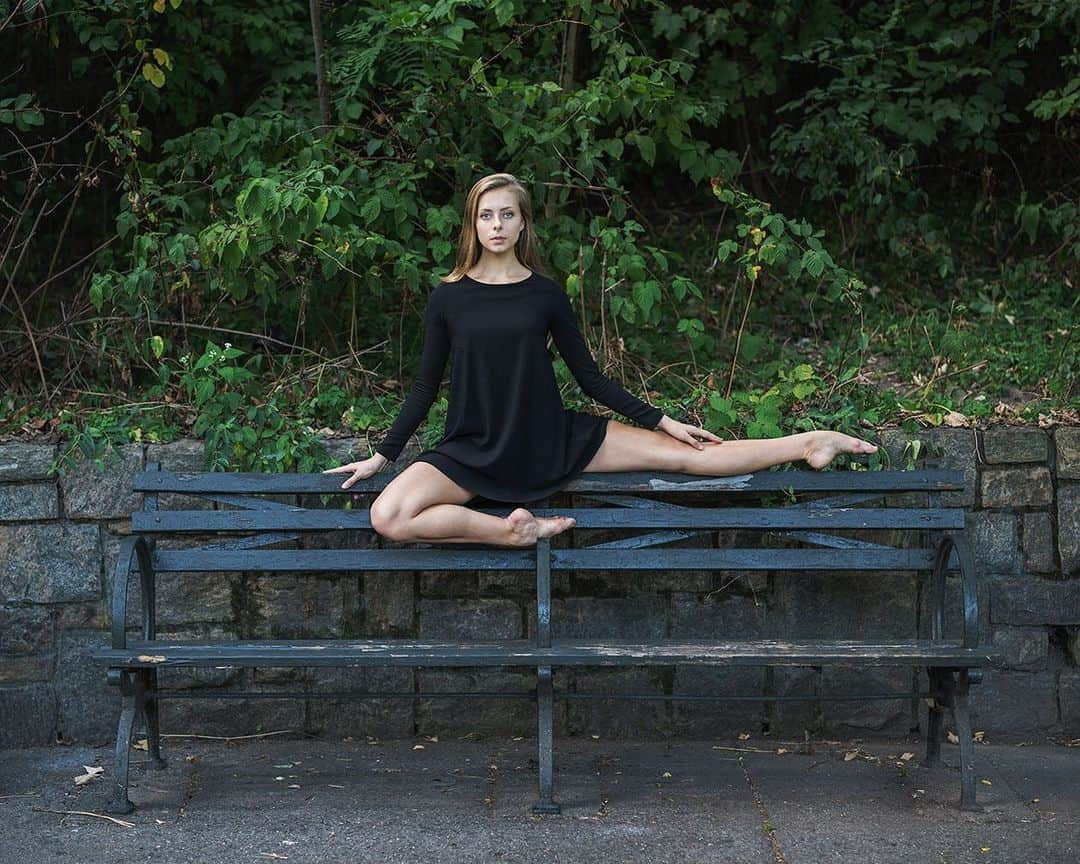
469,248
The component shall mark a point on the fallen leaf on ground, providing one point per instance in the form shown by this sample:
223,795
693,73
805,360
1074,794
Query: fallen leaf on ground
907,756
91,773
666,774
141,744
851,754
418,747
744,736
781,751
952,738
986,782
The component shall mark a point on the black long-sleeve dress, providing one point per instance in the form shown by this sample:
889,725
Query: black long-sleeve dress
508,436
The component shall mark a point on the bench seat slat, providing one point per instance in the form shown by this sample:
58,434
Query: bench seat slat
523,652
307,560
299,519
617,481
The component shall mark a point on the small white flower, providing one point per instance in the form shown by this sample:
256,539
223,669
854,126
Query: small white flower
228,344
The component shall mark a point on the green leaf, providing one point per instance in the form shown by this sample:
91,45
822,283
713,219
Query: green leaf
371,209
153,74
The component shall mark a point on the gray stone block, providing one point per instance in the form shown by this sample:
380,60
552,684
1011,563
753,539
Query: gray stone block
520,584
16,670
995,541
794,719
721,719
1038,543
1021,647
345,450
720,616
641,617
379,718
198,678
89,615
388,605
183,599
449,583
1013,705
27,716
849,605
881,716
953,449
52,563
1031,600
484,619
230,717
186,455
1015,444
22,461
1069,699
23,502
299,607
88,706
1029,486
1067,444
25,629
1068,521
93,494
461,716
620,718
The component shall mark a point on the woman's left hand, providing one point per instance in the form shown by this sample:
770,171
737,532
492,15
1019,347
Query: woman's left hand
687,433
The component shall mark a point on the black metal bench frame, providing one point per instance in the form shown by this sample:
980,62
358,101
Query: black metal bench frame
952,665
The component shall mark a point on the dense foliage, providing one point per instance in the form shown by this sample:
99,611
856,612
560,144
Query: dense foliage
777,216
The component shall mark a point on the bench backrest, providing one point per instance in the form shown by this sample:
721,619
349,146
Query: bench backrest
260,522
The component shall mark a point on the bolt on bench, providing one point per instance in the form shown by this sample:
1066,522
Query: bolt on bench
951,665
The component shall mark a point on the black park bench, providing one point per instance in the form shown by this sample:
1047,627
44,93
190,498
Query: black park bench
800,509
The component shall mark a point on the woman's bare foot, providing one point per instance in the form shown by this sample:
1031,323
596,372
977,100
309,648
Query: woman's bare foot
526,529
824,446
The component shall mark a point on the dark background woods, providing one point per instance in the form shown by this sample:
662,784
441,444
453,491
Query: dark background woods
770,216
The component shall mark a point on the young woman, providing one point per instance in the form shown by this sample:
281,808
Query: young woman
508,436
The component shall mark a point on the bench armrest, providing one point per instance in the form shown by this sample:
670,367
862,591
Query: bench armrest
969,589
131,548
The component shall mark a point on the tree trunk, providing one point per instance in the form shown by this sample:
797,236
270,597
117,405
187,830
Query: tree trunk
320,64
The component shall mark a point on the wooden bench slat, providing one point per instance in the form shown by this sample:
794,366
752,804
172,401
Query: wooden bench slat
522,652
306,560
300,519
618,481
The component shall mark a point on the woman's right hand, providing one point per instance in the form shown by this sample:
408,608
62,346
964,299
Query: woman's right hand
359,470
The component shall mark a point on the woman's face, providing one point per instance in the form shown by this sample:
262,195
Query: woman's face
498,220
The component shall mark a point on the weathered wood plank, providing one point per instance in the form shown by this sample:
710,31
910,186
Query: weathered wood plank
306,560
521,652
617,481
701,518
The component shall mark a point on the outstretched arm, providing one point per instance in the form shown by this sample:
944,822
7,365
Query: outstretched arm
579,359
426,386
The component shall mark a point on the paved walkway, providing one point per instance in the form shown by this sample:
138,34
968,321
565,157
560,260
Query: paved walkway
296,800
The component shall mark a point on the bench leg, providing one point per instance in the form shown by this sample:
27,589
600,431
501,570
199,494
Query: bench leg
545,711
934,721
962,718
153,726
121,804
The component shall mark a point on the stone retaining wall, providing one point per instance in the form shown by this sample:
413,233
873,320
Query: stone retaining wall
59,540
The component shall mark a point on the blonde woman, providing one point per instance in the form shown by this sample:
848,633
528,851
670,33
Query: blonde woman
508,436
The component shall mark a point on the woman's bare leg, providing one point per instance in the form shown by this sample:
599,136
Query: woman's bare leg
630,448
425,505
